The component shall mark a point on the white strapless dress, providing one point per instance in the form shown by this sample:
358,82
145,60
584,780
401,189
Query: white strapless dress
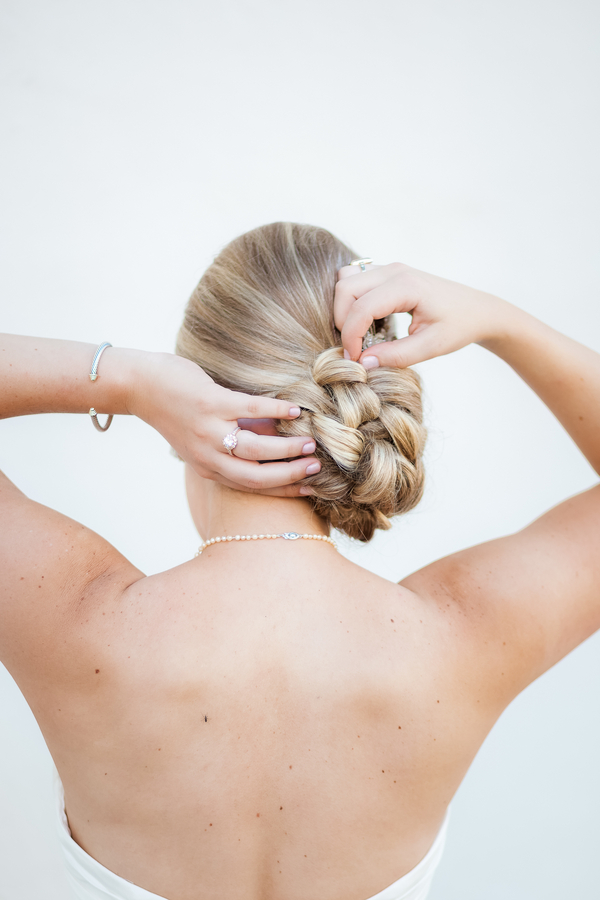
90,880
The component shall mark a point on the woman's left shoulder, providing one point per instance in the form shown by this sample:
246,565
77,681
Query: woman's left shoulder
51,569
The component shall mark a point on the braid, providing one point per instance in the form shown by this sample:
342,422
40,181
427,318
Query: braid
368,429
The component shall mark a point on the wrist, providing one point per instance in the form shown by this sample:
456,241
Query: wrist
136,378
505,326
121,372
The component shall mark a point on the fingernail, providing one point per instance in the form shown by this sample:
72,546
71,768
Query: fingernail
370,362
295,411
346,354
313,468
309,448
306,491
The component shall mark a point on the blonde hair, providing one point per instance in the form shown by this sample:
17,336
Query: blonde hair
261,321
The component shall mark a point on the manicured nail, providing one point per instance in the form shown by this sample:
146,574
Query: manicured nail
346,354
306,491
313,468
370,362
295,411
309,448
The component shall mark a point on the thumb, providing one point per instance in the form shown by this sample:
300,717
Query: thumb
406,351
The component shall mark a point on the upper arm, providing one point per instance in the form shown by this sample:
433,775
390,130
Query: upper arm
527,599
48,563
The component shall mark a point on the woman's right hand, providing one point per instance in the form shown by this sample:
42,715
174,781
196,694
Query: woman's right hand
445,315
193,413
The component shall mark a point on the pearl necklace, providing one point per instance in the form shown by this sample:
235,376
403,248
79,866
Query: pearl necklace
287,536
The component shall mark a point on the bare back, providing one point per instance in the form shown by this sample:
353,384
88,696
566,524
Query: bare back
266,721
271,721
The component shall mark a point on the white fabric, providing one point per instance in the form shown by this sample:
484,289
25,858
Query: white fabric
92,881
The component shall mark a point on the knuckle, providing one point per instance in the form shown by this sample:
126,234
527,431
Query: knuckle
397,268
361,306
253,484
361,318
342,287
253,407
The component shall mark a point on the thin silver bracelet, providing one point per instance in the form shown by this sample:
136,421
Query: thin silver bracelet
93,377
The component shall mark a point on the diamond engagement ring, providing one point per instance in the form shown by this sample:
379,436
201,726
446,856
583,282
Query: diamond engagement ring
363,263
230,441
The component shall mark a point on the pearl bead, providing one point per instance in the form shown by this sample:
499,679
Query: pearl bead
261,537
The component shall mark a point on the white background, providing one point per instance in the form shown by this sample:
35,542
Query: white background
460,137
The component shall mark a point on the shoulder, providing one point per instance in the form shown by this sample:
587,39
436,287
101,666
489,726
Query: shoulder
491,642
49,566
525,600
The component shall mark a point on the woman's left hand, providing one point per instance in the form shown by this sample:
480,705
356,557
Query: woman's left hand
178,399
446,316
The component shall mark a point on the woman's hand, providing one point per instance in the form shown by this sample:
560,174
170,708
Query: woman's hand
178,399
445,315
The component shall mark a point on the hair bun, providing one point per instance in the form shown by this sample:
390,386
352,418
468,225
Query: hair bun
259,322
368,429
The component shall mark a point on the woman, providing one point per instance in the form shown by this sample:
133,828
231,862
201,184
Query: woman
269,720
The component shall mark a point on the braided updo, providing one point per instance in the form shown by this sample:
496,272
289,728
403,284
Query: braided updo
261,321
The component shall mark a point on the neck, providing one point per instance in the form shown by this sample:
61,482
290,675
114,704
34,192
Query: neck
219,511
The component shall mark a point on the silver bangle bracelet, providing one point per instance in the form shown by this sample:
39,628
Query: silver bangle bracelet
93,377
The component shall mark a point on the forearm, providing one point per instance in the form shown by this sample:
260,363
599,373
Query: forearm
40,375
562,372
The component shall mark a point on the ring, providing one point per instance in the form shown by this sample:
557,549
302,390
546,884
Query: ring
363,263
230,441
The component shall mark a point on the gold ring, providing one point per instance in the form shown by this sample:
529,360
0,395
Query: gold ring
363,263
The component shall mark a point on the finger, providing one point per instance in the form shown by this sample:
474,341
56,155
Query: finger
253,476
378,303
407,351
348,288
258,426
256,446
246,406
351,286
348,271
